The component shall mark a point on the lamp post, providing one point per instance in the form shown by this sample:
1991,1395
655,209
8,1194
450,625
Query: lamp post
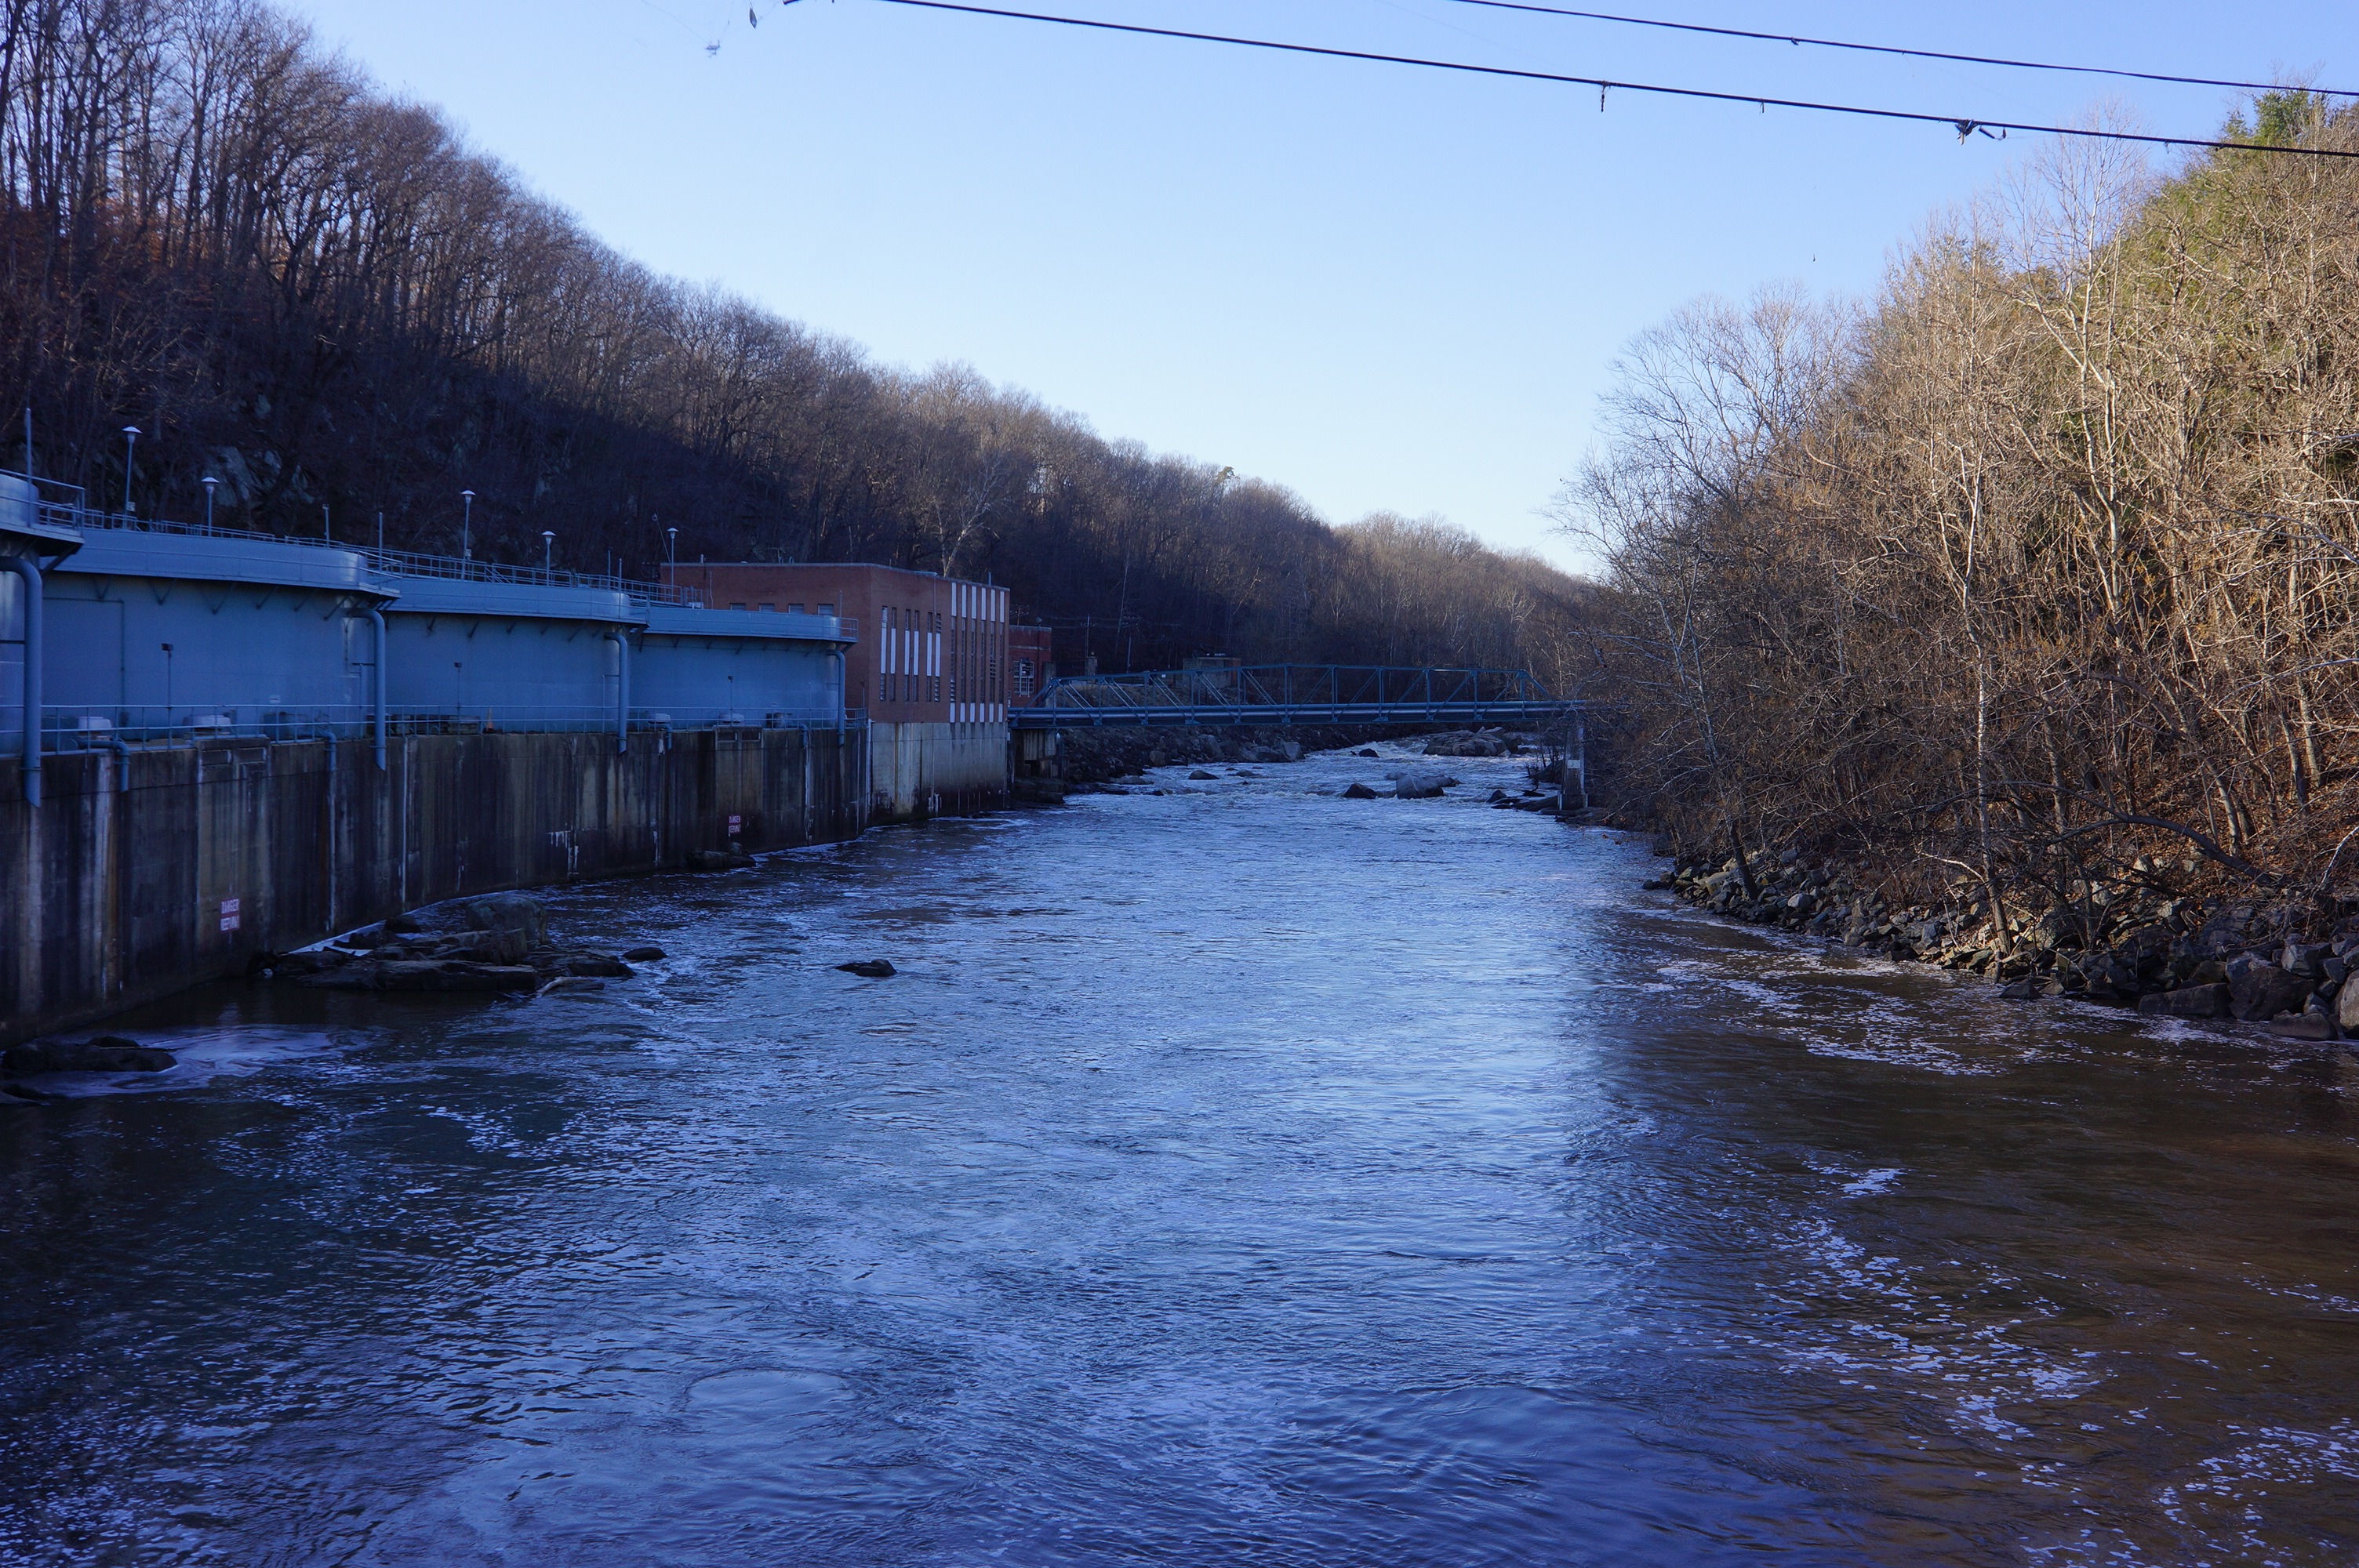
130,451
211,484
548,551
672,553
467,525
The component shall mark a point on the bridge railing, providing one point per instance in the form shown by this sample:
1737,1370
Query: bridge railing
1281,694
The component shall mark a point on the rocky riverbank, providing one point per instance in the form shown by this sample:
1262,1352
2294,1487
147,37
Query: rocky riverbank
2179,958
503,945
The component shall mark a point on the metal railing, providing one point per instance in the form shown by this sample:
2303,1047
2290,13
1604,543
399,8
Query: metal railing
109,727
65,505
1293,694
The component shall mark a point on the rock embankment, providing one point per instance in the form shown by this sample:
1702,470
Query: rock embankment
505,947
2168,958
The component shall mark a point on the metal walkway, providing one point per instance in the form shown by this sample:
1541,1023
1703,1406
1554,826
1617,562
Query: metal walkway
1295,693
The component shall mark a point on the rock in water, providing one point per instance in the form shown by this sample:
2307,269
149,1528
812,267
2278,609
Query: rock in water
1200,773
1359,790
593,966
2187,1001
509,912
1367,752
870,969
1421,783
719,860
643,954
107,1054
2260,991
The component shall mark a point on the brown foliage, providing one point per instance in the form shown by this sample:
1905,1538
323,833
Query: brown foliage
2038,575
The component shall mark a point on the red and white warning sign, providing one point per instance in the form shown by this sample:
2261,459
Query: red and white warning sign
229,914
736,822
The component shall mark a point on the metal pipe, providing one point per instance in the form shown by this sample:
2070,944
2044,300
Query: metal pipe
376,619
122,749
31,574
622,691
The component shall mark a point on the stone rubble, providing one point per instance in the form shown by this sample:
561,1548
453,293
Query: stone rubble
2168,957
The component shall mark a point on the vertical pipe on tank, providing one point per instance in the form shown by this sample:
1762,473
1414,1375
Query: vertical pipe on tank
31,575
622,691
376,619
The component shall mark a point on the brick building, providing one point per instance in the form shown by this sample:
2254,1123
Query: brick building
933,649
1029,664
930,667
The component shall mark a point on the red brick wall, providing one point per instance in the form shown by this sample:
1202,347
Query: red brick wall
932,649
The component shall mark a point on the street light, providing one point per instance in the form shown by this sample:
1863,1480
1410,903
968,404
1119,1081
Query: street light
211,484
467,526
130,450
548,550
671,550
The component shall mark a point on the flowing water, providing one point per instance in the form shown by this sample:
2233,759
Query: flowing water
1237,1175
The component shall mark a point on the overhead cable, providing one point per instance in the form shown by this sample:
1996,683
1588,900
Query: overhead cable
1965,125
1909,54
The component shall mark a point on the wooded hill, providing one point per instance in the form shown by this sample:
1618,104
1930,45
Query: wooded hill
214,230
2032,580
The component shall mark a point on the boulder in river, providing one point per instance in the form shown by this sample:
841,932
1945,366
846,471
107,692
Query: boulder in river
2187,1001
642,955
870,969
1366,752
589,966
1421,783
1200,773
1358,791
2259,990
719,860
509,912
428,975
105,1054
1480,744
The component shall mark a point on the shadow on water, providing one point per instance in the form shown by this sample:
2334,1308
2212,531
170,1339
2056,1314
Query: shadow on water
1241,1175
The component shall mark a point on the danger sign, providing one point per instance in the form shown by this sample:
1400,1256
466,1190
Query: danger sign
229,914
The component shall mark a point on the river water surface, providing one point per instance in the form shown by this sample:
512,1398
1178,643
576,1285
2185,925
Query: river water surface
1238,1176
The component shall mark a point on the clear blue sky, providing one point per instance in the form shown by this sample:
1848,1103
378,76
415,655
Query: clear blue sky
1386,288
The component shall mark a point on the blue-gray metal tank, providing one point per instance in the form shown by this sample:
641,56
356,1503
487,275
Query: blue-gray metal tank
738,666
524,655
155,629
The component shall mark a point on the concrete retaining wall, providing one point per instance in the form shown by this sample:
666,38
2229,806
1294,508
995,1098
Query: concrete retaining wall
933,770
222,849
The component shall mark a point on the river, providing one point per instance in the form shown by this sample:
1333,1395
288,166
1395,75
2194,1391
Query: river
1235,1175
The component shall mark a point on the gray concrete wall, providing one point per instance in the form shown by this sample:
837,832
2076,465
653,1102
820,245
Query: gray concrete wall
116,895
931,769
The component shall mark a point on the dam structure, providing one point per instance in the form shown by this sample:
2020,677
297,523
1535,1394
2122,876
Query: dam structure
227,745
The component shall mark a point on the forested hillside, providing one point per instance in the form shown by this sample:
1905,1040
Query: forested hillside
2034,579
219,233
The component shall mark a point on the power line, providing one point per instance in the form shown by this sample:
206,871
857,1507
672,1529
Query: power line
1910,54
1965,125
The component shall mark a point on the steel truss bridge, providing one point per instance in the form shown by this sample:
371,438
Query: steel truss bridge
1295,693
